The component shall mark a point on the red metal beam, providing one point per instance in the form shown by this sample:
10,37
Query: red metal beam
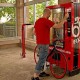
23,40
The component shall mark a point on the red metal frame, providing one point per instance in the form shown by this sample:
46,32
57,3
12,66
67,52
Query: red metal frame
23,41
69,40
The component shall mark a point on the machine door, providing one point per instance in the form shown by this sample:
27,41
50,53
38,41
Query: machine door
57,34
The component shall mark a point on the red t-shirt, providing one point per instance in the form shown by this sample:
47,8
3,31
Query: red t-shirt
42,30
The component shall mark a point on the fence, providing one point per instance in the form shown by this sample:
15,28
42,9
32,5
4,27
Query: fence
7,31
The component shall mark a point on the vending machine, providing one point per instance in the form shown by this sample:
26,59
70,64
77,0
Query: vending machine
69,33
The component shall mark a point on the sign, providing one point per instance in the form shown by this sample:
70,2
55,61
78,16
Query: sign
76,30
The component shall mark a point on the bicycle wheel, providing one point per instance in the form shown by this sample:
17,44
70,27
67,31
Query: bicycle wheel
36,55
58,64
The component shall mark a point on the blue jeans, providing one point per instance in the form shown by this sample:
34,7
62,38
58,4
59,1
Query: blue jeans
43,53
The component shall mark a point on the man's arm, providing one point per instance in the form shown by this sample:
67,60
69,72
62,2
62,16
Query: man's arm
59,25
34,31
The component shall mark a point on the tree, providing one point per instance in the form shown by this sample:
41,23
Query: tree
31,18
7,12
39,10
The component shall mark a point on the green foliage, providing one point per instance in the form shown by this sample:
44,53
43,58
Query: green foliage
7,11
39,10
31,18
51,2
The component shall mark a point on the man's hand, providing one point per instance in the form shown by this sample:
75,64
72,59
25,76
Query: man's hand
56,20
34,32
66,15
59,25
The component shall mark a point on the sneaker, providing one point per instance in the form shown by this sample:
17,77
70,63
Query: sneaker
37,78
43,74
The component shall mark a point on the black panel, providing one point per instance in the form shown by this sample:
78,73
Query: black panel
76,46
56,56
75,61
75,51
74,72
69,24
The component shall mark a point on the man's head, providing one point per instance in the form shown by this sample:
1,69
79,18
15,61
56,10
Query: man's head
46,13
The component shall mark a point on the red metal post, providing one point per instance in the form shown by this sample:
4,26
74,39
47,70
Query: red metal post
23,41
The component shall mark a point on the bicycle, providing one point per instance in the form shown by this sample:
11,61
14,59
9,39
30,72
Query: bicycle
57,60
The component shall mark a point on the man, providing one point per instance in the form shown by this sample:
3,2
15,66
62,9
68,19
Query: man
42,32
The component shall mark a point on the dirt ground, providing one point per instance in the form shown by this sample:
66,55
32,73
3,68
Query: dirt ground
14,67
